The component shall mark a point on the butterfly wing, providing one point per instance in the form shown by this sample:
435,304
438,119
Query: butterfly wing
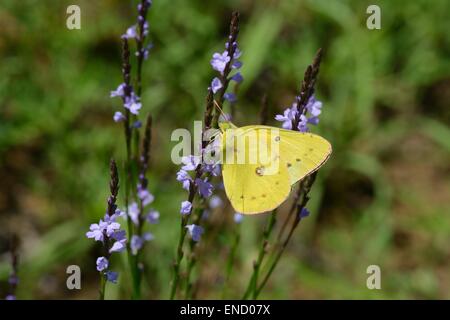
254,186
302,153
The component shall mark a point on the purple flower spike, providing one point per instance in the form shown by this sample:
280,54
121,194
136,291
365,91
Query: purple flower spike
102,263
195,231
10,297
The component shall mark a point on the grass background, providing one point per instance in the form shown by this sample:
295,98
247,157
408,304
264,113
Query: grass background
383,198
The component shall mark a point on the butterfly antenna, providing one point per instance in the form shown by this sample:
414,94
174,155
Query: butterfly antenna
221,111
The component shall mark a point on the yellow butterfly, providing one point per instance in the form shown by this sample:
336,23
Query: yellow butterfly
258,180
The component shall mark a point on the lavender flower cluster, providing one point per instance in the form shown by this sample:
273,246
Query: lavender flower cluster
190,175
220,62
108,232
138,32
310,116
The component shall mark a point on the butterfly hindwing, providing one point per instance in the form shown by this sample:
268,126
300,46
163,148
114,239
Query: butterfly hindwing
254,187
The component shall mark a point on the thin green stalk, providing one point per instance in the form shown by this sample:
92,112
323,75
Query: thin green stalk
252,285
102,287
302,200
277,258
176,266
230,261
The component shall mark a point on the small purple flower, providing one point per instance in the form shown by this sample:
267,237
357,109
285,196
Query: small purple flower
152,217
111,276
195,231
148,236
236,64
303,124
214,169
186,207
102,263
237,77
304,213
145,196
215,202
111,227
184,178
313,108
118,117
119,235
190,162
146,51
205,188
133,212
137,124
136,244
231,97
132,103
216,85
96,232
118,246
119,92
10,297
219,61
287,117
131,33
238,217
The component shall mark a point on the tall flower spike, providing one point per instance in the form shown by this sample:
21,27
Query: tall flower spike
107,230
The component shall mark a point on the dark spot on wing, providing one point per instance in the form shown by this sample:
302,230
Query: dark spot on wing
289,165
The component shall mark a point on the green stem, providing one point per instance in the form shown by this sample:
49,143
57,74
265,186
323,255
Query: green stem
230,261
277,258
176,266
102,287
252,285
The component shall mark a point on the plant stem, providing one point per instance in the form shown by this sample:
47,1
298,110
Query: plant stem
102,287
230,261
251,288
176,266
302,200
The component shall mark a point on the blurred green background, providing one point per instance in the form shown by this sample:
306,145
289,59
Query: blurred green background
383,197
